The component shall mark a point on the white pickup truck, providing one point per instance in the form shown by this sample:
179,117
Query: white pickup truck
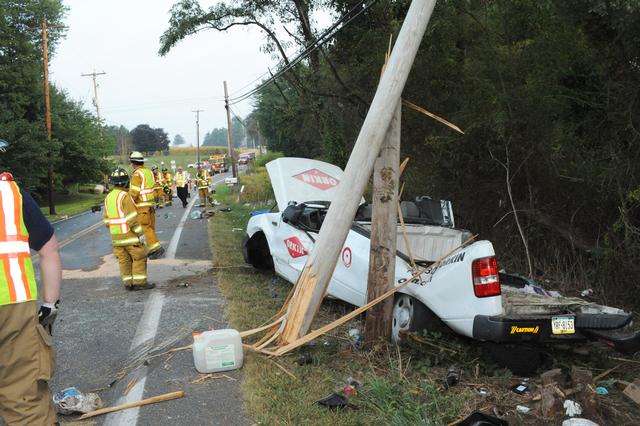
466,292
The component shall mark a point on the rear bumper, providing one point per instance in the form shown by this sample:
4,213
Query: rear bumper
610,328
510,330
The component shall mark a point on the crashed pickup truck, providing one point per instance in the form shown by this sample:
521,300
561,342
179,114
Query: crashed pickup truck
465,293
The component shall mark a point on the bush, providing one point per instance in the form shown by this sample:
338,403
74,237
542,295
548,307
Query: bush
257,187
265,158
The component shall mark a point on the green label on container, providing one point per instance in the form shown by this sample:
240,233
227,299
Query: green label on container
220,356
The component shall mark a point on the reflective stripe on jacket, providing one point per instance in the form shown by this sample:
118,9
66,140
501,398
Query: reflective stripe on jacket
121,217
142,187
18,283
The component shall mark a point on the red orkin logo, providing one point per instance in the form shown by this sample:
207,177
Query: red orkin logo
317,178
295,247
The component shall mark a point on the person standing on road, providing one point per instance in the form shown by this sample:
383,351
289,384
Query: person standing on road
202,182
142,190
121,218
159,186
167,180
181,181
26,348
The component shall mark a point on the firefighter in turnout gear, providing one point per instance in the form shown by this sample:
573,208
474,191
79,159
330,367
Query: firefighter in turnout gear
159,187
168,185
121,218
142,190
182,188
203,180
27,356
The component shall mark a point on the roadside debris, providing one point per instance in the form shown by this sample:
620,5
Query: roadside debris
183,285
633,391
304,360
478,418
335,401
578,422
522,409
206,377
217,350
152,400
196,214
572,408
453,377
71,401
520,388
601,390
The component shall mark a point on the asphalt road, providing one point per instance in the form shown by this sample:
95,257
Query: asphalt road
104,334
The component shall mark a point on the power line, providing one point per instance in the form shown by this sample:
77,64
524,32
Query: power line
321,40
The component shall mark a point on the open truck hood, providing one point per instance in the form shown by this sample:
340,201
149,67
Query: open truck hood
303,180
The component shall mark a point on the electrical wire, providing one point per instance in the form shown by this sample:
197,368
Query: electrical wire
320,41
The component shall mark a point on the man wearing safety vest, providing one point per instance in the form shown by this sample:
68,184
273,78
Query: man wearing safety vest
26,351
159,186
167,180
203,179
142,190
121,218
182,188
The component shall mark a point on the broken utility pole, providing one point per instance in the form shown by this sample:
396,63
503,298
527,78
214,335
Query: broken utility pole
314,279
231,151
384,226
93,76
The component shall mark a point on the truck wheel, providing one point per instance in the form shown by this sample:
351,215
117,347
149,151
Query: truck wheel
408,315
522,360
258,252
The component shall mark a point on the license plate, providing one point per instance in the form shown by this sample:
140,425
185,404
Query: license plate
563,325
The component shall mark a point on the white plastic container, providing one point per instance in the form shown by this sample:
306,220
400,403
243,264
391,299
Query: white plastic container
217,350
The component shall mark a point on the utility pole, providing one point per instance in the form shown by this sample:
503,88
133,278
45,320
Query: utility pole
47,111
93,76
198,111
230,151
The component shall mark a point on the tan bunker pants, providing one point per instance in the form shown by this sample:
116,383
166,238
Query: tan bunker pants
27,362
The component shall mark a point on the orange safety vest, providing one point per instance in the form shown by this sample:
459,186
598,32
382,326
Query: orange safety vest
17,280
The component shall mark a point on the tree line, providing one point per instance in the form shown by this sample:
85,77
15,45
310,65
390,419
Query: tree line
546,91
79,148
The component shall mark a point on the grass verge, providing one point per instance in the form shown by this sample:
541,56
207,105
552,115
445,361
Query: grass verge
400,386
69,205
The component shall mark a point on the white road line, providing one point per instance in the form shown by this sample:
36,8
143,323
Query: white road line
145,332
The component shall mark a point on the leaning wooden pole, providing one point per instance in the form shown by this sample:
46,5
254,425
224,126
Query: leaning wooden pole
314,279
384,226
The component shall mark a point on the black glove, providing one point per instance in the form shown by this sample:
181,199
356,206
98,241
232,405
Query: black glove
47,315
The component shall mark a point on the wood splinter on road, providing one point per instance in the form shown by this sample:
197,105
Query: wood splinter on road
152,400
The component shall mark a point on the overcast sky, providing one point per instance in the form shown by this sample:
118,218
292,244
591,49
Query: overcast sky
121,38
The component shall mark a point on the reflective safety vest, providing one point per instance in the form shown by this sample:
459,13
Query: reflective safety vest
181,179
202,179
121,218
142,187
17,280
167,179
159,180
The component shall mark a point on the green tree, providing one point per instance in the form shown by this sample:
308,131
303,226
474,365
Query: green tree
147,139
21,92
178,140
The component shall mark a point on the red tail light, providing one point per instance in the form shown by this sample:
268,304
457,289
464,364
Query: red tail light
486,282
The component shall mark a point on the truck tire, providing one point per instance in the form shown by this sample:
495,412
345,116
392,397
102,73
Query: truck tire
258,252
409,314
522,360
